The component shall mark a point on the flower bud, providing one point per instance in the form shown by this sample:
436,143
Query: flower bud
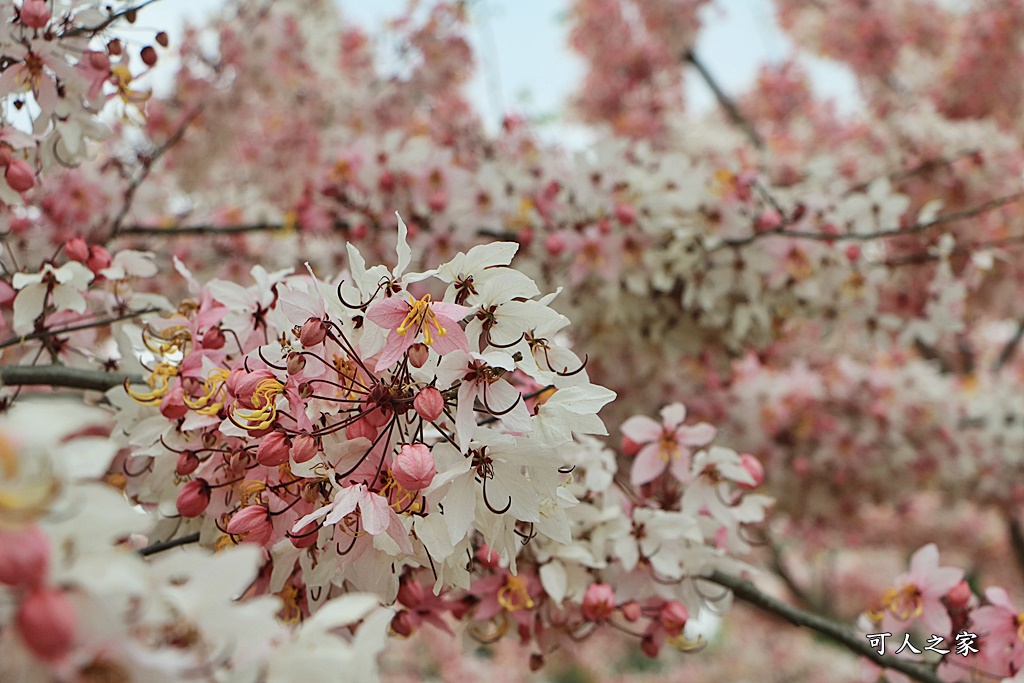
754,467
649,646
296,363
99,61
405,623
313,332
631,611
304,448
673,617
554,243
629,447
959,597
488,557
536,661
414,467
187,463
24,557
305,537
273,449
99,258
20,176
378,417
172,405
148,55
35,13
47,623
411,594
361,428
77,250
418,354
254,523
598,602
194,498
213,338
626,213
429,403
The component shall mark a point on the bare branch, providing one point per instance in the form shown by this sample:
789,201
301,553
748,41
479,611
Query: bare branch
838,632
155,548
1016,533
83,30
13,341
64,376
1007,354
182,230
725,101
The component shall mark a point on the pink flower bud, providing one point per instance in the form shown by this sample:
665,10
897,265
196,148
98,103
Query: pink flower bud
414,468
755,468
959,597
673,617
378,417
313,332
20,176
46,621
254,523
99,258
361,428
626,213
35,13
99,61
769,220
194,498
411,594
853,252
274,449
598,602
418,354
304,448
24,557
554,243
77,250
214,338
437,201
405,623
488,557
649,646
629,447
296,363
429,403
172,406
187,463
631,611
305,537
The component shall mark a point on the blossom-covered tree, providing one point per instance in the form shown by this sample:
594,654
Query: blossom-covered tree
306,371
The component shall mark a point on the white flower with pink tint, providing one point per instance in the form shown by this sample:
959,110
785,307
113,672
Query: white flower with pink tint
665,445
919,594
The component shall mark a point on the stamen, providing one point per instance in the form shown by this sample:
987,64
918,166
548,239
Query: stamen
513,595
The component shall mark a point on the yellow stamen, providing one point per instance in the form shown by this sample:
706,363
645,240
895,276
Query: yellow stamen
668,447
264,411
1019,620
904,604
213,385
421,316
513,595
159,382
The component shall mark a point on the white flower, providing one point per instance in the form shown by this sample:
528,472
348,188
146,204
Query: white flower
64,285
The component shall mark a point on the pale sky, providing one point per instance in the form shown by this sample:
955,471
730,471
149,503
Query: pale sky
526,66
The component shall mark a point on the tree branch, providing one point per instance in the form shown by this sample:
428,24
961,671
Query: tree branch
63,376
1016,533
180,230
1009,351
155,548
725,101
13,341
833,630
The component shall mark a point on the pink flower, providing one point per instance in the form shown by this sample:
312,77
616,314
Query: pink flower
920,594
35,13
47,623
436,321
665,445
1001,626
24,556
414,467
598,602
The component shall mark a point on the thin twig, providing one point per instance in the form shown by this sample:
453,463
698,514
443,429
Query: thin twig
879,234
1016,533
838,632
724,100
179,230
14,341
1009,349
923,167
81,30
779,567
147,166
155,548
64,376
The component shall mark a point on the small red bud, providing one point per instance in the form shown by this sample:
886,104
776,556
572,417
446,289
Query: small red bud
77,250
162,39
273,449
418,354
755,468
20,176
429,403
47,623
304,448
187,463
313,332
194,498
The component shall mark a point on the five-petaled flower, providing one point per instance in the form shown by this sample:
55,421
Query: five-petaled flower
665,445
406,321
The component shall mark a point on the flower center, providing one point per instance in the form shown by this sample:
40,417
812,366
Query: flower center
421,316
904,604
513,595
264,410
668,447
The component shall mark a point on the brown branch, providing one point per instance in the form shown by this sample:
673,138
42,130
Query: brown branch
147,166
155,548
726,102
1007,354
923,167
927,257
880,234
181,230
42,334
835,631
1016,533
82,30
64,376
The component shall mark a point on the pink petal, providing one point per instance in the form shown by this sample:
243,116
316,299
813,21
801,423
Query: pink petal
641,429
697,435
389,313
375,510
455,339
648,465
447,312
680,466
396,345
